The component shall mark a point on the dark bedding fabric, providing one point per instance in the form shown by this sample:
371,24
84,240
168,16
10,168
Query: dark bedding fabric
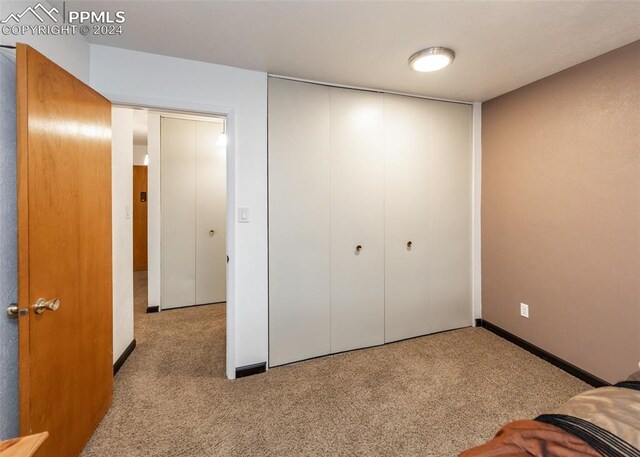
526,438
608,418
603,422
605,442
635,385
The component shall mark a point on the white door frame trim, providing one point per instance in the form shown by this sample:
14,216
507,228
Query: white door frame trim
180,106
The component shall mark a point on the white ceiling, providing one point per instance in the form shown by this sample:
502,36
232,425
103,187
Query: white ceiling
500,45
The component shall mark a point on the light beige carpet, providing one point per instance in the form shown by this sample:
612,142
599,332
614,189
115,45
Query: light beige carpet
430,396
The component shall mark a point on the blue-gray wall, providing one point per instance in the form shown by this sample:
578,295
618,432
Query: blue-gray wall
8,248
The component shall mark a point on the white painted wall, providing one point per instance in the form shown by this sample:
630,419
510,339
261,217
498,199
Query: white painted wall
72,53
122,220
137,78
139,151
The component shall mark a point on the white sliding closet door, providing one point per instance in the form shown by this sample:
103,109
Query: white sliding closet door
178,145
193,186
299,222
211,209
408,246
427,204
357,219
369,218
450,208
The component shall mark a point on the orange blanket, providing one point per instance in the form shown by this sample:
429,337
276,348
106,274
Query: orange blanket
525,438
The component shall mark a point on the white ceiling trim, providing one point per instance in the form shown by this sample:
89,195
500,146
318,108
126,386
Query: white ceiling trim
369,89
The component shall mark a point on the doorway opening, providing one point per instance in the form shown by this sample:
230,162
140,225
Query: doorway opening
193,215
179,204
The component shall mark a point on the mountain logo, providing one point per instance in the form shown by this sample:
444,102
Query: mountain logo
34,10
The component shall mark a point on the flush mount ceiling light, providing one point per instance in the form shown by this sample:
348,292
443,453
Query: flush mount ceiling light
431,59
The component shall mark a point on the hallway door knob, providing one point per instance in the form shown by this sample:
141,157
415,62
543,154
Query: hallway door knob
359,248
43,305
409,244
212,232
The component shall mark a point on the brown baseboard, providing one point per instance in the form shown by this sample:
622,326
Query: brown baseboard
250,370
123,358
544,355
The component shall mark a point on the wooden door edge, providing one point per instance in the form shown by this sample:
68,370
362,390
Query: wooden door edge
22,56
25,446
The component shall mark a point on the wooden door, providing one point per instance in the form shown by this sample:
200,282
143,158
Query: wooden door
211,210
357,220
64,253
139,218
407,216
299,222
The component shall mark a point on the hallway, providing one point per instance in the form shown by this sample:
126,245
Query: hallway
432,396
161,381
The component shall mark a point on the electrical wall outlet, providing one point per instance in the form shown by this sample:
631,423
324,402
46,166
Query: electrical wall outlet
524,310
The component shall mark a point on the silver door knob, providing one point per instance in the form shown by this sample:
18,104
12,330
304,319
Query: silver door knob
43,305
212,232
12,310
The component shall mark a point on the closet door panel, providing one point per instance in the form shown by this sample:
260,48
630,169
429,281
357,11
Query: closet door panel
407,218
211,203
451,215
299,222
178,212
357,218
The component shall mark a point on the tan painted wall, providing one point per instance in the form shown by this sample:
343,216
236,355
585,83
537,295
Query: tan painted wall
561,213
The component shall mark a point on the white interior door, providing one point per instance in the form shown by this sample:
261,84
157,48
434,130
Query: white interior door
178,149
299,222
357,219
450,212
210,224
407,216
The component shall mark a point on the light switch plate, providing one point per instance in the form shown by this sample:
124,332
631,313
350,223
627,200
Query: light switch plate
243,215
524,310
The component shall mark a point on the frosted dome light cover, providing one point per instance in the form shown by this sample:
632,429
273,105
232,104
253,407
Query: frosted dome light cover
431,59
